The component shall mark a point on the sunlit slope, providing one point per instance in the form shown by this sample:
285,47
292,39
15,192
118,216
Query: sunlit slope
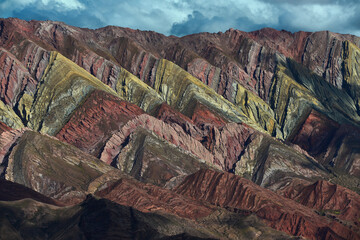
63,87
295,91
133,90
351,71
9,117
182,91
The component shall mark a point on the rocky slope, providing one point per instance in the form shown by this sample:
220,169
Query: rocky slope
102,219
228,190
230,135
338,202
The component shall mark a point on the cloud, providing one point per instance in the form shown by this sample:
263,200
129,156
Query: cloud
181,17
139,14
70,11
293,15
57,5
197,22
312,2
317,17
222,15
71,17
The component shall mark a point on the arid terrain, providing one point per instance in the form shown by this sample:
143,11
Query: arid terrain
117,133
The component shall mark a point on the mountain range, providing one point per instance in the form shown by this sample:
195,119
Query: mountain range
117,133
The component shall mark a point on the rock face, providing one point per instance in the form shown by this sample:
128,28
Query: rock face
153,151
227,190
315,133
54,169
148,198
62,88
343,151
182,91
273,165
230,135
14,78
4,127
327,198
209,219
102,219
10,191
104,113
332,144
9,117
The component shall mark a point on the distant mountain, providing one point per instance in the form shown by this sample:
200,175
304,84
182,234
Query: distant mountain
117,133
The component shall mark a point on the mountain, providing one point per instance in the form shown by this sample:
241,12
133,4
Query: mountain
116,133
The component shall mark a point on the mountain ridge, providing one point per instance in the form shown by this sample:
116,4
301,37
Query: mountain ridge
130,116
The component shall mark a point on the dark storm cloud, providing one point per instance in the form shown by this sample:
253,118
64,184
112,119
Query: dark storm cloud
181,17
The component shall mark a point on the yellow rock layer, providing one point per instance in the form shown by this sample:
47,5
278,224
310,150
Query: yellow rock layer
9,117
180,90
63,87
133,90
256,109
290,100
24,106
351,57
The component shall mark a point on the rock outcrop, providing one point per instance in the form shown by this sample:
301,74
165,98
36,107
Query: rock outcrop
63,87
4,127
55,169
104,113
228,190
329,199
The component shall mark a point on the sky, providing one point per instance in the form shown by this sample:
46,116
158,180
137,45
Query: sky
176,17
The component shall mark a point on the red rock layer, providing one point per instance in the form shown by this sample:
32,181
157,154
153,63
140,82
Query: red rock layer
93,123
343,150
170,116
171,133
326,197
322,54
33,57
330,143
229,143
149,198
226,141
316,133
220,147
14,78
228,190
287,43
203,117
239,59
14,30
103,69
4,128
7,140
